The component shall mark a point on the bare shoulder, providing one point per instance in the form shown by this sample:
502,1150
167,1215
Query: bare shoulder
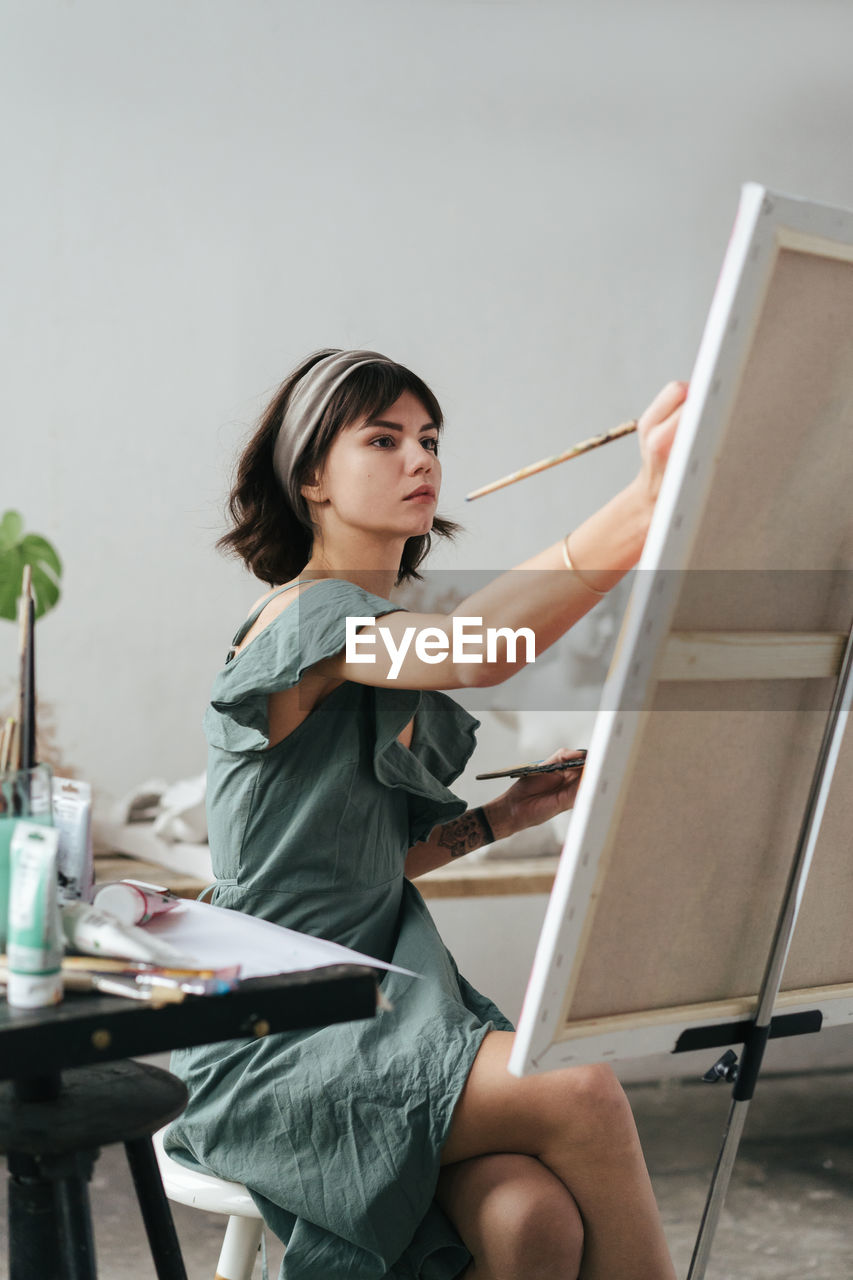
277,605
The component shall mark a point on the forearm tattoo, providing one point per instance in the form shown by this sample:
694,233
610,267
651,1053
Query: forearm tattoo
466,834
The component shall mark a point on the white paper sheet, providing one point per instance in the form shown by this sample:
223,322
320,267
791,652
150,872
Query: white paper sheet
214,937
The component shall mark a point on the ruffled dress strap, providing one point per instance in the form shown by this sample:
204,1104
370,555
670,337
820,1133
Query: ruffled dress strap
311,628
256,613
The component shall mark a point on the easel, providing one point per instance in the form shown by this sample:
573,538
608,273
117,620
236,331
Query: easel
709,673
764,1026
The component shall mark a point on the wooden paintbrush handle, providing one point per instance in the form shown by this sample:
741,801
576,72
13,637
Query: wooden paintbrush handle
624,429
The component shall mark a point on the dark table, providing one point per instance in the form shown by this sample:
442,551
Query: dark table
67,1093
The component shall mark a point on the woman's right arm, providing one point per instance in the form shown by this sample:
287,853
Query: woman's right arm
541,594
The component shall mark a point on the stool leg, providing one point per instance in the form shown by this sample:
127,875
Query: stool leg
50,1223
74,1218
33,1238
156,1214
239,1249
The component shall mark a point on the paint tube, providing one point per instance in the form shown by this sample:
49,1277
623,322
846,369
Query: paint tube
34,944
72,816
133,901
94,933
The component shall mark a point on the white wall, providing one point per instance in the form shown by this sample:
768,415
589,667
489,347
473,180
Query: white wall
527,202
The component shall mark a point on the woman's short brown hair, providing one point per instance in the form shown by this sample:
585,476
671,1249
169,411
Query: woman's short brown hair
268,534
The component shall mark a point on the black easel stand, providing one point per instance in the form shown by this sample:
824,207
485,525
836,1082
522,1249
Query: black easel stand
755,1034
51,1129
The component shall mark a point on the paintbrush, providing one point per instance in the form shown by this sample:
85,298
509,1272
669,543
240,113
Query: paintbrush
6,742
624,429
199,982
26,691
577,761
112,984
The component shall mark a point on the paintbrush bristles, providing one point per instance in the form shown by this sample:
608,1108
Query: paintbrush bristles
624,429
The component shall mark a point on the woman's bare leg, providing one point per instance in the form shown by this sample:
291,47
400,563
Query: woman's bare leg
515,1216
578,1122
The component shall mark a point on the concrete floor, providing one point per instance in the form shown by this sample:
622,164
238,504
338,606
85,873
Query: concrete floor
789,1212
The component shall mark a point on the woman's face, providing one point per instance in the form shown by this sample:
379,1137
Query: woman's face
374,468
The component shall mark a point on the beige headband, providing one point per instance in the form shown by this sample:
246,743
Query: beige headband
307,403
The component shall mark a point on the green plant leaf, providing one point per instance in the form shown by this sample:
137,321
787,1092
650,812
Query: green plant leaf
11,573
11,528
38,550
17,550
45,591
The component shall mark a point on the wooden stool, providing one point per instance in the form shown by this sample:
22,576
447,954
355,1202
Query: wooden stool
216,1195
51,1128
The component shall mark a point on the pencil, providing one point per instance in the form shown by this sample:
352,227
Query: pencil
624,429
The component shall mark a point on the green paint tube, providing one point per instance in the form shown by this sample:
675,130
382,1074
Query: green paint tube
35,939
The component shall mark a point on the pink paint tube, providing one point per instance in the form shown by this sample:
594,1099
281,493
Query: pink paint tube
134,902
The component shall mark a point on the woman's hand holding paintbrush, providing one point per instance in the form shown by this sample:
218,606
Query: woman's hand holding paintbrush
656,431
542,790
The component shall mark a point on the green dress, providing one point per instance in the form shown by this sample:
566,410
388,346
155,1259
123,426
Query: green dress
337,1131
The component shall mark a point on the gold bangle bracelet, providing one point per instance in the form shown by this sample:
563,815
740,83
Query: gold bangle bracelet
579,577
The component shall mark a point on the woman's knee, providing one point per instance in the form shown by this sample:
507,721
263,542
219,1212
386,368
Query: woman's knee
536,1115
517,1218
542,1233
590,1107
531,1228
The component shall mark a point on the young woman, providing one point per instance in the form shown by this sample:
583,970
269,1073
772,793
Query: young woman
397,1146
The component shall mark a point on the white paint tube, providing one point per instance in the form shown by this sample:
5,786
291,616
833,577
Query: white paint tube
133,901
95,933
72,817
35,939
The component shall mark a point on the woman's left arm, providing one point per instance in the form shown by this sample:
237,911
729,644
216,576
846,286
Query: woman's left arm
528,802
